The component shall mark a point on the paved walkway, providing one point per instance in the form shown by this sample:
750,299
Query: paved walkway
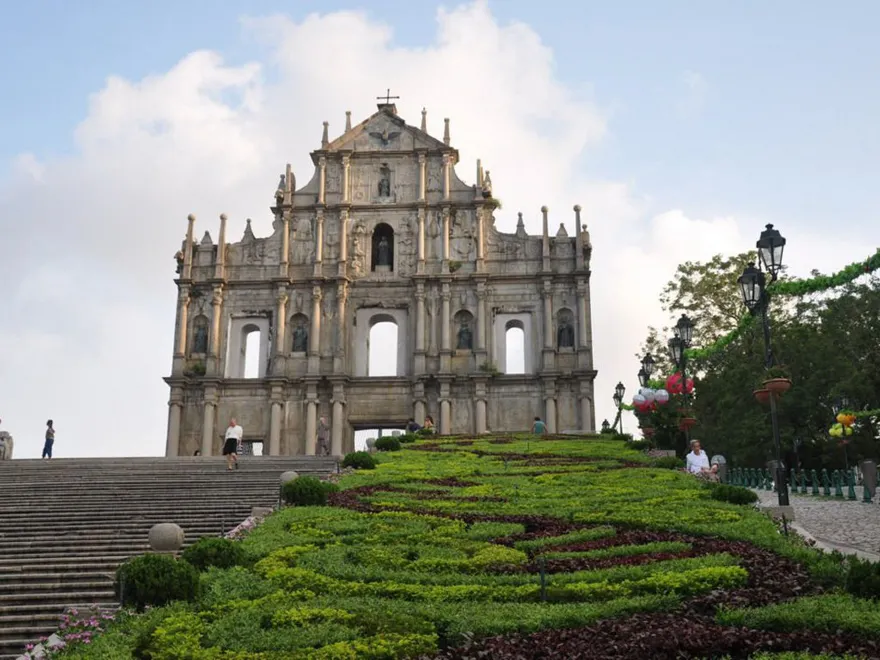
835,524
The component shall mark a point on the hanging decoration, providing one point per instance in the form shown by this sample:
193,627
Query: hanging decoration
791,288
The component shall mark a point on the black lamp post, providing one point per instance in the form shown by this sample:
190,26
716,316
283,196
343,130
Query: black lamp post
643,377
605,426
678,345
753,286
619,391
648,365
837,407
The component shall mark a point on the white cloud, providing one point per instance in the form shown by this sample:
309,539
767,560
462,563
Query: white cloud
86,263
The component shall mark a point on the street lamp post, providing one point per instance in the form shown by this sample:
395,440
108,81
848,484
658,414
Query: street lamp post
605,426
839,406
643,377
753,286
678,345
619,391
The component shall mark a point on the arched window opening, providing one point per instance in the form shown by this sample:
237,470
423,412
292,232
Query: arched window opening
464,330
382,348
200,334
251,352
383,248
565,329
515,348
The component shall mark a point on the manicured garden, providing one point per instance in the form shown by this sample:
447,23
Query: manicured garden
502,547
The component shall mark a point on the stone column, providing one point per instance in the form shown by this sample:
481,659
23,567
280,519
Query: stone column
343,241
216,330
188,248
550,414
481,236
183,300
336,427
220,264
423,177
322,180
419,411
284,266
445,340
481,318
175,415
447,177
586,412
208,428
275,429
419,352
339,356
281,322
420,267
314,361
582,304
346,179
311,426
578,239
319,242
445,416
548,315
445,237
545,245
481,415
315,332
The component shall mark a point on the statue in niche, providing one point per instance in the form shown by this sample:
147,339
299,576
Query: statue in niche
178,257
383,253
200,342
565,334
300,338
465,337
487,185
384,181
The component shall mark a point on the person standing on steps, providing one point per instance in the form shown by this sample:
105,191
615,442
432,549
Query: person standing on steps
50,440
232,440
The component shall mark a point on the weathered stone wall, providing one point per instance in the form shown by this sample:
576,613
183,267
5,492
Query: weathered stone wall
384,230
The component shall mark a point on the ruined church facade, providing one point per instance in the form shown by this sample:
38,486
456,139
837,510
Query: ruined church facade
385,231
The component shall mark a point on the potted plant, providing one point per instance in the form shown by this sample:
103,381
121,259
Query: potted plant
647,431
686,423
777,380
762,395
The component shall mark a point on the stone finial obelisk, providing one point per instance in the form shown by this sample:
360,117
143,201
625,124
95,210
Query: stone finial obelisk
424,125
347,121
325,140
545,252
446,139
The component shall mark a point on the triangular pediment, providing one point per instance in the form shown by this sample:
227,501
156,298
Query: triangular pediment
385,131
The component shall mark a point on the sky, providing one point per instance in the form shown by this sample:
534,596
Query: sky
681,128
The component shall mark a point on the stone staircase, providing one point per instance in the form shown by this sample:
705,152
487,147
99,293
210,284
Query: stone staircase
66,524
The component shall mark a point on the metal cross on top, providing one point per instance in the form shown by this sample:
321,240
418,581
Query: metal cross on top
387,98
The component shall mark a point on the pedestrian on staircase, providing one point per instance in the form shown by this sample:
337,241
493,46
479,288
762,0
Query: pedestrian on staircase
231,443
50,440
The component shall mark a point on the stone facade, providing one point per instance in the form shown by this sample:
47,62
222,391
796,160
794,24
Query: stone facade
384,231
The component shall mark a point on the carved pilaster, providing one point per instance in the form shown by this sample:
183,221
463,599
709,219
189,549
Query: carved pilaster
445,238
175,415
447,176
284,266
343,242
346,179
315,332
445,330
180,341
319,242
423,177
420,266
322,180
339,355
481,317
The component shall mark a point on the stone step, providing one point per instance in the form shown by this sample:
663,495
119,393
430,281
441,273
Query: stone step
105,529
61,578
55,609
99,593
108,566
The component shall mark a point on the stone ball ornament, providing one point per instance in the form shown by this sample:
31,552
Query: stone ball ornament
289,475
166,537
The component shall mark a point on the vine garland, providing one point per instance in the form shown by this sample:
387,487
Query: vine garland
791,288
861,414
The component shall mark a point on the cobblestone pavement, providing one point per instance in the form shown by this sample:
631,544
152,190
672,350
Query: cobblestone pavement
842,522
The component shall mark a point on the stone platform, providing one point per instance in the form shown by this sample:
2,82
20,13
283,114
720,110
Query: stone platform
66,524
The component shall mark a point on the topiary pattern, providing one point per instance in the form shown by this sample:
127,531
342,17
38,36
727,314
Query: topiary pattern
359,460
213,551
307,491
388,443
155,580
